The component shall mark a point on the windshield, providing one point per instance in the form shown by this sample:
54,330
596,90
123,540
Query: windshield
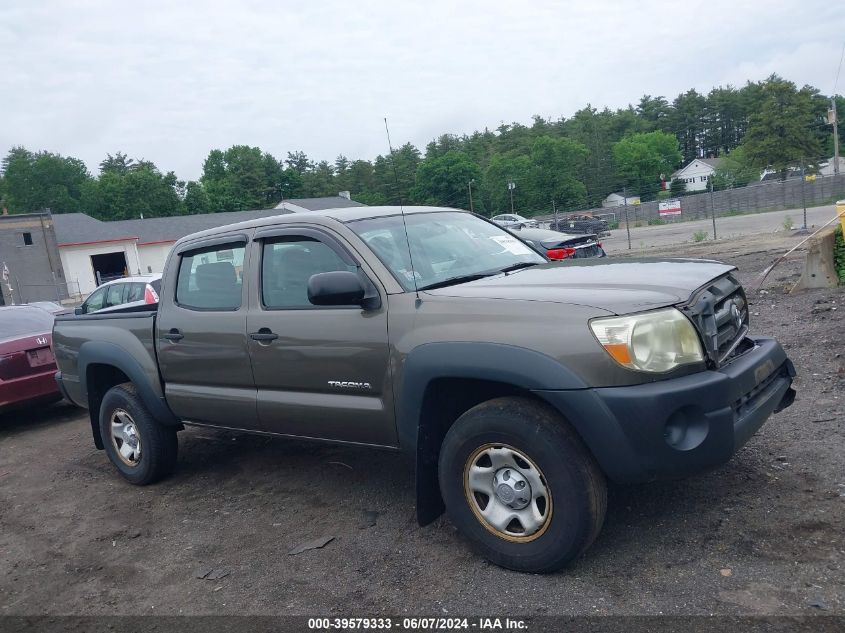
445,245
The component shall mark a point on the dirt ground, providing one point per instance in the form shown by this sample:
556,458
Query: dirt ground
764,534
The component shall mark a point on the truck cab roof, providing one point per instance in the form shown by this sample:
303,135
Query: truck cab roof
343,215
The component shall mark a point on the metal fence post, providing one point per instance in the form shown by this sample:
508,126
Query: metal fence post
627,222
712,208
803,196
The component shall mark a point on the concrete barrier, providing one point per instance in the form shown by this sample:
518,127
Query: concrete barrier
819,271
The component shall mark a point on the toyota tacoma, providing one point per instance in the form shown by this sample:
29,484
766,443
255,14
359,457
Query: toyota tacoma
519,385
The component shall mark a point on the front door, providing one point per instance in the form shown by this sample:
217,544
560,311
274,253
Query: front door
201,335
321,372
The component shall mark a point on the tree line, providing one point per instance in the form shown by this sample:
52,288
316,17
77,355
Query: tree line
568,163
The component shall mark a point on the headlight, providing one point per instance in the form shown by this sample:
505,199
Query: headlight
652,341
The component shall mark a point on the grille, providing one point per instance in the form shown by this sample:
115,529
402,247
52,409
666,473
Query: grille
720,312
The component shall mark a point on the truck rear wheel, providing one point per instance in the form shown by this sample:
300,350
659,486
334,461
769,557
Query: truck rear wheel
142,449
518,482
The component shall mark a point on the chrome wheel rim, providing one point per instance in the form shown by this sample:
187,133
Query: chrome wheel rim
507,492
125,438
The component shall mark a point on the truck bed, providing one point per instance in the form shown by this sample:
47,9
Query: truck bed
130,331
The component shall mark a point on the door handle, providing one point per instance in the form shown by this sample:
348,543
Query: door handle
174,335
263,335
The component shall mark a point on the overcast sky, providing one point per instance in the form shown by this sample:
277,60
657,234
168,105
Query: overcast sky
168,81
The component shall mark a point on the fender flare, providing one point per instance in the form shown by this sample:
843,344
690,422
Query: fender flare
517,366
105,353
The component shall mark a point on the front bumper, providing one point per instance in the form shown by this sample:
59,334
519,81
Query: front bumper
678,427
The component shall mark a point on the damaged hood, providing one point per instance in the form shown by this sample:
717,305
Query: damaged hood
618,286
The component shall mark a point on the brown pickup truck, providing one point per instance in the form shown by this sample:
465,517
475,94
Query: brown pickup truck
519,385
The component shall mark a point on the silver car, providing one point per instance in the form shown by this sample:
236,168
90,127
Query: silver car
511,220
125,292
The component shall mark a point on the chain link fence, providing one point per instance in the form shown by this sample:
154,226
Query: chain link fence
797,191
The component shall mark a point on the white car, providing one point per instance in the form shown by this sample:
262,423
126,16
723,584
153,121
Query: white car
511,220
126,292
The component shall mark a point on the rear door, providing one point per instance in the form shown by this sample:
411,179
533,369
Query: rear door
201,333
115,296
320,372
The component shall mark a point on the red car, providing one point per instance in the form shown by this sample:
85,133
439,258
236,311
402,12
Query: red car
27,364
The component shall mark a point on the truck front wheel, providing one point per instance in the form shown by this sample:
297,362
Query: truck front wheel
518,482
142,449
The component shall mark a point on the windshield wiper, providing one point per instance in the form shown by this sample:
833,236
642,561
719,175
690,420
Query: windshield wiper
457,280
517,266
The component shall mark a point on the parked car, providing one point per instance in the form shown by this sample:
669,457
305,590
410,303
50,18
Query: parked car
51,306
556,245
519,385
508,220
126,292
581,223
27,365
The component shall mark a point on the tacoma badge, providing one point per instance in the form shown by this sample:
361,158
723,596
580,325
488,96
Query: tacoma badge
349,384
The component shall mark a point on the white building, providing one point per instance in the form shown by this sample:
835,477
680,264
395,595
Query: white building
619,200
697,173
92,251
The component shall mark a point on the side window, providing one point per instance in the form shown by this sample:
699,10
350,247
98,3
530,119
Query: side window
288,263
136,292
211,279
95,301
114,295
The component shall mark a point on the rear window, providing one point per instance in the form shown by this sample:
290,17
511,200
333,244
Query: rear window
211,279
15,322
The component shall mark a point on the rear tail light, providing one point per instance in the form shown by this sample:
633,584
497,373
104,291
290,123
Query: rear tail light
600,246
560,253
150,295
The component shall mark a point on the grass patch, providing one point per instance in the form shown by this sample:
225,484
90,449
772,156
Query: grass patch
839,255
699,236
788,223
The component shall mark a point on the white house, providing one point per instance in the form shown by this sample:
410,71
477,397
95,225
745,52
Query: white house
697,173
619,199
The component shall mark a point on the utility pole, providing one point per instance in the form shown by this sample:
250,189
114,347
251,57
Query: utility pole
832,114
469,184
627,223
511,187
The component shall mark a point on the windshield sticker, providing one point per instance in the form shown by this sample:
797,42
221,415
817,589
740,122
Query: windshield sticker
511,244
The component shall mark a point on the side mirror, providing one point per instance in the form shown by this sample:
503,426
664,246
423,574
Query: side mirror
78,310
336,288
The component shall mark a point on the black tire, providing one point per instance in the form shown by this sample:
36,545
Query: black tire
158,443
576,485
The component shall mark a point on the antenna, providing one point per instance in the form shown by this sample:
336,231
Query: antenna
402,210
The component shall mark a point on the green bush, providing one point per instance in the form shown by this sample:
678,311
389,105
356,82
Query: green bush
788,223
839,255
699,236
656,221
613,225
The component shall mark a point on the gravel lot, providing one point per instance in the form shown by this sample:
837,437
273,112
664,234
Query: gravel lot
764,534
